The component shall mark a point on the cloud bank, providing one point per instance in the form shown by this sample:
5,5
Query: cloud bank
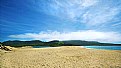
89,35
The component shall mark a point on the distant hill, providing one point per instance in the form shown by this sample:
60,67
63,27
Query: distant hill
88,43
17,43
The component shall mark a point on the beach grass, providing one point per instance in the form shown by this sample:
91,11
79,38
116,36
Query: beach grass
60,57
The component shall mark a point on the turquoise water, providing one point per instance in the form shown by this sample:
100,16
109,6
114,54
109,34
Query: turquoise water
94,47
40,46
105,47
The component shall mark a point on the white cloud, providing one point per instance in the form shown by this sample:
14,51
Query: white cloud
69,9
89,35
89,12
87,3
106,15
117,24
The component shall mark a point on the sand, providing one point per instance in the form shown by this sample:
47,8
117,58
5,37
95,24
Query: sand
60,57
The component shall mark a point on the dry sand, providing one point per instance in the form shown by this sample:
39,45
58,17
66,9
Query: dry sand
60,57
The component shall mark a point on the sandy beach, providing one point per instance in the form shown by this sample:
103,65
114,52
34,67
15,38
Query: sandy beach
60,57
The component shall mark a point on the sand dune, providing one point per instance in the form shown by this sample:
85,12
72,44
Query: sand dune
60,57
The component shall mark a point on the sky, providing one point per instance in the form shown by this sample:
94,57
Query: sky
90,20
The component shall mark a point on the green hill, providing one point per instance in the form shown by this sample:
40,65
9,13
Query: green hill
54,43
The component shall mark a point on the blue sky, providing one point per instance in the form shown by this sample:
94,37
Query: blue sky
91,20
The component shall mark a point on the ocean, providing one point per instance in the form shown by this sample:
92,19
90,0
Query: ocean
105,47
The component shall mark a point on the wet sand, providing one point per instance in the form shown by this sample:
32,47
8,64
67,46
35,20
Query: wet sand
60,57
